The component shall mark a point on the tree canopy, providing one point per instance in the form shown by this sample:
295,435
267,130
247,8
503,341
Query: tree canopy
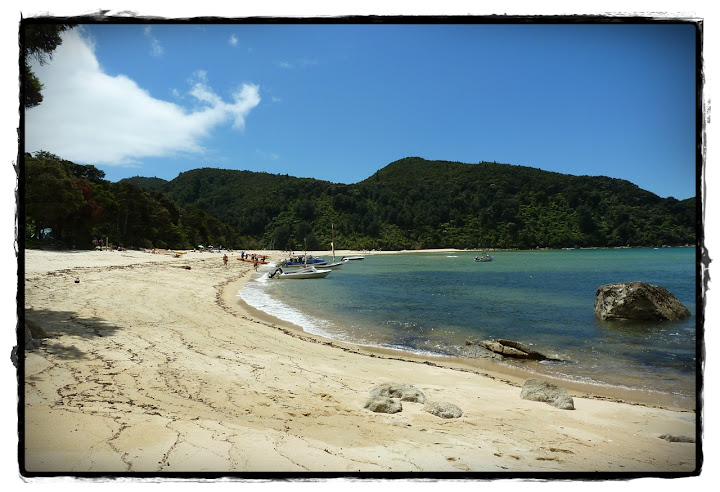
71,204
416,203
38,42
411,203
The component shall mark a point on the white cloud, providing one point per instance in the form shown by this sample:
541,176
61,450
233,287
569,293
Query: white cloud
156,48
201,75
300,62
90,117
233,40
267,155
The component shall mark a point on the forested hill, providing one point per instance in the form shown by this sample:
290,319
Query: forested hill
416,203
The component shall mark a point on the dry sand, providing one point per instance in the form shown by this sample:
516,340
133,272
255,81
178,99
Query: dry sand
153,367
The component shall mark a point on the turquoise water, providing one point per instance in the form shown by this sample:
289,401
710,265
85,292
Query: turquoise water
444,303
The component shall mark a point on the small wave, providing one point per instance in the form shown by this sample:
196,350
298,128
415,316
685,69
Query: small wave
554,362
414,350
255,296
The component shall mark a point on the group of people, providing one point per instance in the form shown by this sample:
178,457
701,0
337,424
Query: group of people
253,257
256,259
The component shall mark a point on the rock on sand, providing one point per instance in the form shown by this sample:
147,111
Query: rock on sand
383,404
444,410
405,392
539,390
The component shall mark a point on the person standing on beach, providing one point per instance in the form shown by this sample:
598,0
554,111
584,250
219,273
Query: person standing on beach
255,264
225,260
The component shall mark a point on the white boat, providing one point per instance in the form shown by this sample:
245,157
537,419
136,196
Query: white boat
303,261
353,258
484,258
335,264
309,272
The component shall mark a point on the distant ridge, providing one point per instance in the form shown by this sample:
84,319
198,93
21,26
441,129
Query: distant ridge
418,203
150,184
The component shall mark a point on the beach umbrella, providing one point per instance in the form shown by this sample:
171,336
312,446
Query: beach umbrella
200,246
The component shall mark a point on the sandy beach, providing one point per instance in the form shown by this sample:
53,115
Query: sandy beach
153,364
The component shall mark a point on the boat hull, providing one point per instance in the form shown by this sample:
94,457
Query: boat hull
335,265
484,259
300,276
306,273
302,261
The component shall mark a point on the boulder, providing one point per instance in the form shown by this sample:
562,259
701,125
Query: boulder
33,334
510,348
539,390
673,438
443,410
36,330
383,404
638,301
30,342
405,392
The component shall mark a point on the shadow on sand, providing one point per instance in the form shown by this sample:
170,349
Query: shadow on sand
56,324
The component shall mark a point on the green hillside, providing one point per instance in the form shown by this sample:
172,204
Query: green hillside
67,205
410,203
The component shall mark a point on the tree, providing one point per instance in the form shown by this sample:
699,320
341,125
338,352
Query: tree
52,196
38,43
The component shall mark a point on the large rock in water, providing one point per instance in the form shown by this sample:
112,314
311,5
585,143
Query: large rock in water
638,301
539,390
510,348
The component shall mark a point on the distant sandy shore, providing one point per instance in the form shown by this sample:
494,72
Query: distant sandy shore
153,364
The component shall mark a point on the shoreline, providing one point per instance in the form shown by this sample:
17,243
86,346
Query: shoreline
516,374
513,375
153,364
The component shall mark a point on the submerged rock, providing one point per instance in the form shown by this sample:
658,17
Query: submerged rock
405,392
638,301
383,404
510,348
539,390
443,410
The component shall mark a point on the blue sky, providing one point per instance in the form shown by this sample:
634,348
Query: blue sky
338,102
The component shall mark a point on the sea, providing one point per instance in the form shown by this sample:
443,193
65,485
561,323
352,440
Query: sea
444,304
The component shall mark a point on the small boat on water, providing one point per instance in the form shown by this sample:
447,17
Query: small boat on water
302,261
303,273
353,258
484,258
335,264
